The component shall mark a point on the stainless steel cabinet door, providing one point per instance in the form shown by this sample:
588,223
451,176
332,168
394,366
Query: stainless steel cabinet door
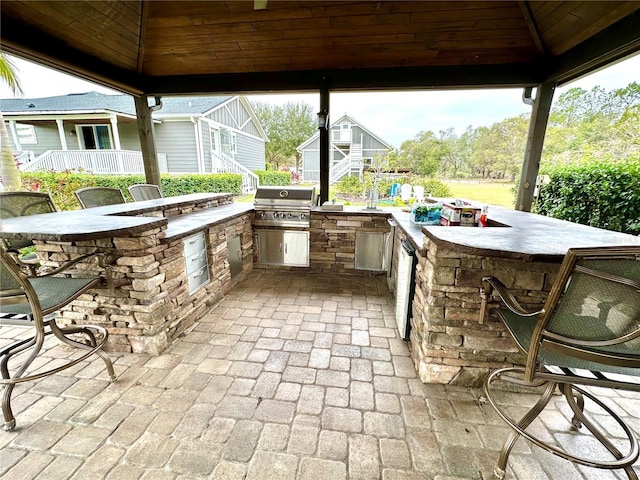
371,251
296,249
270,247
235,256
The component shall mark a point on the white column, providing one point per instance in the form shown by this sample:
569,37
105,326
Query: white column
116,141
63,138
14,134
116,133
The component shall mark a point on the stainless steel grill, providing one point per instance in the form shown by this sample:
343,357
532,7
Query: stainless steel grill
284,206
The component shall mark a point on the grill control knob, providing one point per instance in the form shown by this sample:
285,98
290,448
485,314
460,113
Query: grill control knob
302,216
289,215
263,215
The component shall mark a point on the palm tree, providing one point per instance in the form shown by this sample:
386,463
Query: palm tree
9,175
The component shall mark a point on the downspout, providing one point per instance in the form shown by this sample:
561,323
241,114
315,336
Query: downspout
199,146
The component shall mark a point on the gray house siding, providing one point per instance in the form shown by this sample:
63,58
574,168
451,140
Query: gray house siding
340,147
250,152
48,139
311,165
129,137
176,139
235,115
206,146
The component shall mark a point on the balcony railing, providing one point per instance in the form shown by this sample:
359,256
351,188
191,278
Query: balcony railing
93,161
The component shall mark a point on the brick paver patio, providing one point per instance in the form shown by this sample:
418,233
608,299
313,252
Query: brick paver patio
291,376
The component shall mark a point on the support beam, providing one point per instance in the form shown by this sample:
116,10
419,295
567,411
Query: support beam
147,140
325,164
535,141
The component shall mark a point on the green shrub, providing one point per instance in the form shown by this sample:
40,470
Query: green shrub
61,185
350,186
600,194
273,177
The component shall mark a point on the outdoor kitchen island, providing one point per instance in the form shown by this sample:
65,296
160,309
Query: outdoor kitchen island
168,260
157,295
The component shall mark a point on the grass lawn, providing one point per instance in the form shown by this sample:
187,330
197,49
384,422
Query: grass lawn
491,193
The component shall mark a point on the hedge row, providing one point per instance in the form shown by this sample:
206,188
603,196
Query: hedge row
61,185
600,194
273,177
354,187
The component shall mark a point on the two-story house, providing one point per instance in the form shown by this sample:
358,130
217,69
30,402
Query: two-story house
352,147
98,133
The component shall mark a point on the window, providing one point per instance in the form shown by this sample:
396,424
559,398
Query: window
95,137
234,145
26,134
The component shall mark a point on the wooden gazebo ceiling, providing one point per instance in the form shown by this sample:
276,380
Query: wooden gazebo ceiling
179,47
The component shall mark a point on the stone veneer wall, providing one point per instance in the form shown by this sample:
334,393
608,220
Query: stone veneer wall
150,304
448,344
333,240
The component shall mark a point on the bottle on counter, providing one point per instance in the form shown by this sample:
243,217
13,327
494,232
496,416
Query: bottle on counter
483,216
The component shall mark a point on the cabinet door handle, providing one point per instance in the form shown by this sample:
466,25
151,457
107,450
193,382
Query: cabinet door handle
285,248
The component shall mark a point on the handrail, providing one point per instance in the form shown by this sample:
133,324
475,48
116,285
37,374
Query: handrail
340,169
250,180
94,161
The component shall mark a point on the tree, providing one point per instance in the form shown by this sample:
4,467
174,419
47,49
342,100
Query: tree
287,126
9,175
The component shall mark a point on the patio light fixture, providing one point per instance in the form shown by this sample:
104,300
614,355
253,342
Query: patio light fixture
323,119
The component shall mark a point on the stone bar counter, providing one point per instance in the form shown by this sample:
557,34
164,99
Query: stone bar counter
150,247
447,341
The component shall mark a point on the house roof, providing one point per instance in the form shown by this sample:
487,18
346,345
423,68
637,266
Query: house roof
98,102
175,47
341,120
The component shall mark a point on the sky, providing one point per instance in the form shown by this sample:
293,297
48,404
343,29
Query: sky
393,116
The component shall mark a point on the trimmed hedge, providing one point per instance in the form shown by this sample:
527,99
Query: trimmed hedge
354,187
273,177
600,194
61,185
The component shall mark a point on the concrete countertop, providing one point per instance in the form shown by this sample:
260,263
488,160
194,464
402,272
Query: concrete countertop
100,222
524,235
511,234
182,226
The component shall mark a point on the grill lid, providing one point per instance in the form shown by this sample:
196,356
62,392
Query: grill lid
285,196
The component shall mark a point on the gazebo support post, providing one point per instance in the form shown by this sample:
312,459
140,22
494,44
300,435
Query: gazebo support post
147,140
535,141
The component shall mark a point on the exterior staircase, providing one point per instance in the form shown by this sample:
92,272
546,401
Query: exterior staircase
225,164
349,165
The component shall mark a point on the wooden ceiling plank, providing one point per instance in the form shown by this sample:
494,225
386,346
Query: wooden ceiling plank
298,24
579,29
355,8
179,32
184,41
368,20
512,12
142,36
434,6
218,48
533,27
45,49
617,41
119,12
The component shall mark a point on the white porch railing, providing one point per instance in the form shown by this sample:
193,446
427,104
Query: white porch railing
93,161
225,164
24,157
340,169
